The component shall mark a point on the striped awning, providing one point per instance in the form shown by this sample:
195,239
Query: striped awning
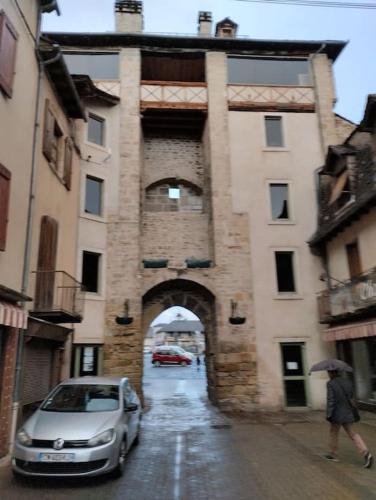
353,331
12,315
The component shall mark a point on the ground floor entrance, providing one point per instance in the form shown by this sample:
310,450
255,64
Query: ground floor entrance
361,355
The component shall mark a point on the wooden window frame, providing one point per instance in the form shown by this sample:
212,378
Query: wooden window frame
5,180
354,262
54,135
6,81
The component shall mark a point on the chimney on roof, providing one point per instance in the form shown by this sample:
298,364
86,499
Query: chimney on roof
204,23
226,29
129,16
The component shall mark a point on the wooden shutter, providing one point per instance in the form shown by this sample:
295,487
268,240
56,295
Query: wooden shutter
44,292
353,259
5,176
68,159
339,186
48,132
8,47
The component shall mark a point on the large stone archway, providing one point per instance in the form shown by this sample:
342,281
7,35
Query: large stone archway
192,296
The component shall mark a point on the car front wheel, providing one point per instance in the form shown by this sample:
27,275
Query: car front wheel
157,363
119,469
183,363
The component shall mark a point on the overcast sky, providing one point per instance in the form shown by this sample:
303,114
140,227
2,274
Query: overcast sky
355,69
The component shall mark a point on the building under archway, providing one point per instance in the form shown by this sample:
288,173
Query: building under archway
197,299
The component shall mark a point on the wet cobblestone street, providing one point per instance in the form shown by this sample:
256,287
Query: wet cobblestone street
189,450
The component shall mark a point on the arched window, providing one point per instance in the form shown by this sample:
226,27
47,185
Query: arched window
172,195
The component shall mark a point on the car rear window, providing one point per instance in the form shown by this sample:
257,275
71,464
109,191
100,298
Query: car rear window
83,399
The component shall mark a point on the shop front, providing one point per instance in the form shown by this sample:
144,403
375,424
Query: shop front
356,344
12,319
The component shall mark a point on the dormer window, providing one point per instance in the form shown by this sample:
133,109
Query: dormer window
341,190
173,196
226,29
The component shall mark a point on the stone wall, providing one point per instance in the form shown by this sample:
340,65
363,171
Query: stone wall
175,236
158,199
123,346
168,157
344,128
325,99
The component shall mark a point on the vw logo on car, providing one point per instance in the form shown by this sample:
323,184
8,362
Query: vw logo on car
58,444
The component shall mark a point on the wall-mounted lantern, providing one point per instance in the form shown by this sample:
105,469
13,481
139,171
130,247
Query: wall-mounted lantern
124,319
234,319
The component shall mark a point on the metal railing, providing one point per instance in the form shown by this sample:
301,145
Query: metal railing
351,297
57,291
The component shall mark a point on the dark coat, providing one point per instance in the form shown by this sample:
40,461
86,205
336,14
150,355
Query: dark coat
339,395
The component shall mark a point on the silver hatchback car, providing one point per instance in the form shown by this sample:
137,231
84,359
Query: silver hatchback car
84,427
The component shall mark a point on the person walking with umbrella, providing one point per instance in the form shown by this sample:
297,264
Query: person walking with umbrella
341,410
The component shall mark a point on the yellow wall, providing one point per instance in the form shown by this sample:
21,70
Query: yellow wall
53,198
16,135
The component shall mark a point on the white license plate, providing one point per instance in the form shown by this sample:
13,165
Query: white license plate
56,457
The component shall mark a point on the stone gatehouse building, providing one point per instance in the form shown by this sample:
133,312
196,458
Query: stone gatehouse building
198,190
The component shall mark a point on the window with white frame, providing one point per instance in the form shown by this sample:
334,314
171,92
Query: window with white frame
90,271
95,130
279,201
274,132
284,264
93,195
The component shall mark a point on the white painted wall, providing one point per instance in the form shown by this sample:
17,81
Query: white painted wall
102,163
280,319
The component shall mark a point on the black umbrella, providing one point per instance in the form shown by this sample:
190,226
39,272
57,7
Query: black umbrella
331,364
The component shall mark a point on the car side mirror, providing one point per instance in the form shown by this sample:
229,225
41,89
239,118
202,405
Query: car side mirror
131,407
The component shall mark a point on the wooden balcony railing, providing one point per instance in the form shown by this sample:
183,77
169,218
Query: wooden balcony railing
58,297
180,95
264,96
353,297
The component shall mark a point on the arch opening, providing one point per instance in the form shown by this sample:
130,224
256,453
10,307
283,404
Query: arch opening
195,303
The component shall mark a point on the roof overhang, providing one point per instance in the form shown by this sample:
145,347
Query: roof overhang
49,6
334,153
12,295
46,330
330,230
61,80
368,123
87,90
286,48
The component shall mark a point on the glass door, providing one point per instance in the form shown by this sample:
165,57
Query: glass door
293,373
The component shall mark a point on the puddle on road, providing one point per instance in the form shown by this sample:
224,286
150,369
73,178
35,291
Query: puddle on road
178,405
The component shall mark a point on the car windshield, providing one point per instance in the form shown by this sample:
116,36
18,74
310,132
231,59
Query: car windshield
83,398
179,350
